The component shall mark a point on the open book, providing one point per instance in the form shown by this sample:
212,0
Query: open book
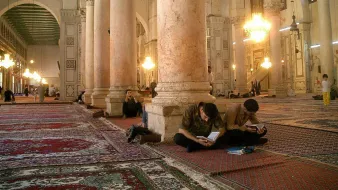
212,136
258,126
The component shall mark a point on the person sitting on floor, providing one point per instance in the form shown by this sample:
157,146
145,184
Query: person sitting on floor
198,121
236,118
79,98
131,107
9,95
139,129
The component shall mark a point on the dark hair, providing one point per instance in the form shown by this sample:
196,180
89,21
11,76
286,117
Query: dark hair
251,105
325,76
127,90
210,110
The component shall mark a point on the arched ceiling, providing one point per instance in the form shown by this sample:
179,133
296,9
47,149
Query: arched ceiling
34,23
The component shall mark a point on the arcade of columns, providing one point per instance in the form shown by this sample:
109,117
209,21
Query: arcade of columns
110,67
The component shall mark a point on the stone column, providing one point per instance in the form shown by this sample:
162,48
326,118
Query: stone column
89,51
123,74
272,13
101,53
241,73
151,45
326,51
83,48
182,69
306,31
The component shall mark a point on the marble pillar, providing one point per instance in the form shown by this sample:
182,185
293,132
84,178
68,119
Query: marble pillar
101,53
89,51
241,72
272,13
326,51
151,45
306,31
123,66
83,48
182,68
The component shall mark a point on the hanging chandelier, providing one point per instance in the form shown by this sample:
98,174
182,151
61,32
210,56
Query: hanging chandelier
6,62
34,76
266,64
148,64
257,28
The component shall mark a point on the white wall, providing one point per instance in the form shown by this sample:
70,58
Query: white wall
45,62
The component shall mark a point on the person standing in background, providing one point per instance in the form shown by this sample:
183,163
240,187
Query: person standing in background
326,90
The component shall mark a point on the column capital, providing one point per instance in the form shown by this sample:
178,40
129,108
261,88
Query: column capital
90,2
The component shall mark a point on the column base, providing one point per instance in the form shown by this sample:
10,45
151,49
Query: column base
114,100
166,119
87,96
278,92
181,93
98,97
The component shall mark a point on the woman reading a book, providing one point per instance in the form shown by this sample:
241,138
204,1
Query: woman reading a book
196,126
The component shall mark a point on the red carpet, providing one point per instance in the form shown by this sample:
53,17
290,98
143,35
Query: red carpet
291,175
42,135
300,141
259,170
219,161
125,123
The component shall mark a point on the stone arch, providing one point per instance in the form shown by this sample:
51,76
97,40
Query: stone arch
50,8
144,23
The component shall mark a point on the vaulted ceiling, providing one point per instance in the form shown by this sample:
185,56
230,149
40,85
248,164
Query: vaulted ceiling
34,23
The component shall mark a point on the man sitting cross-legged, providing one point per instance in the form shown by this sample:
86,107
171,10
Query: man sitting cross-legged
236,118
198,121
131,107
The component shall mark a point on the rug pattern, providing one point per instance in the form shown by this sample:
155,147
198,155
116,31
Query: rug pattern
300,141
140,175
293,174
43,141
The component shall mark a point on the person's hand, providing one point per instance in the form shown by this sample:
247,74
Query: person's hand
251,130
261,131
127,98
203,142
210,143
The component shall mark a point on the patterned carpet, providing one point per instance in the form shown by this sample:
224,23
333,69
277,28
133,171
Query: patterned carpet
139,175
64,147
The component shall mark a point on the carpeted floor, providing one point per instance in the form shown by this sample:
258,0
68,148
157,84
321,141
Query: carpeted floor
41,141
64,147
136,175
298,129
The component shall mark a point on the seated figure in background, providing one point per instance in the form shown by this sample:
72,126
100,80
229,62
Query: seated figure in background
9,95
131,107
139,129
